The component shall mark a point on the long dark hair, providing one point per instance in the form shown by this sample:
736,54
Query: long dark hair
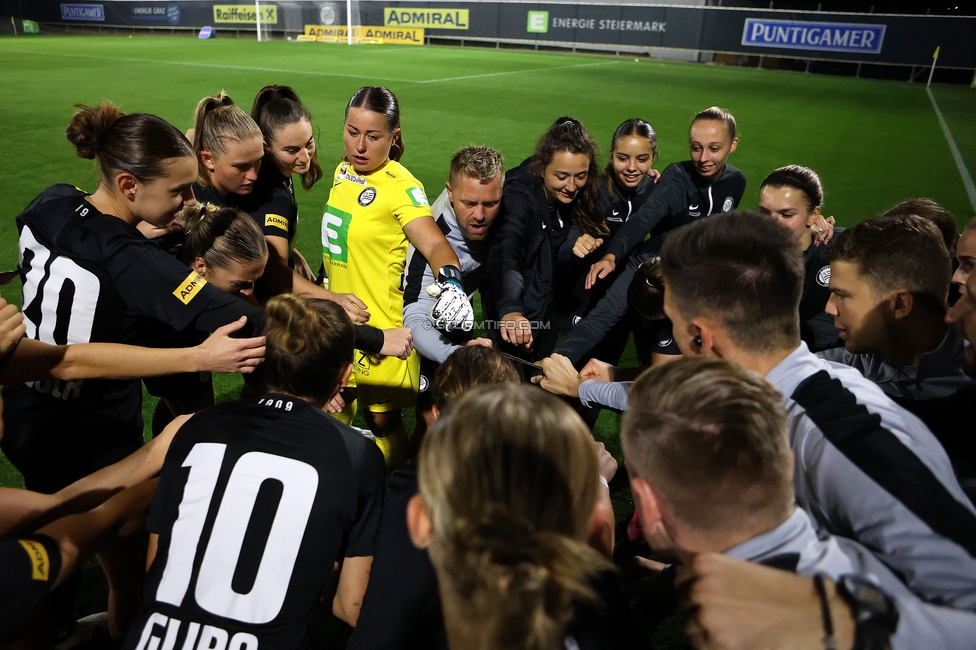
378,99
634,126
138,143
799,178
276,107
569,134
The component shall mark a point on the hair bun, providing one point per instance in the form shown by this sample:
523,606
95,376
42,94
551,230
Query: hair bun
191,215
90,125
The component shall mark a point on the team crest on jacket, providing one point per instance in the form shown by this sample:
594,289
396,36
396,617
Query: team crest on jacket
367,196
727,206
823,276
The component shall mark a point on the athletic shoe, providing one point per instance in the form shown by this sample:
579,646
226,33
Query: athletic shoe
90,628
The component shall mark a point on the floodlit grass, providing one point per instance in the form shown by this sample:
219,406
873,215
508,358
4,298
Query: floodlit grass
874,143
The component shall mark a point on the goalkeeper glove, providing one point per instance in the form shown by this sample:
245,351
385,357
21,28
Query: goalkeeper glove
452,309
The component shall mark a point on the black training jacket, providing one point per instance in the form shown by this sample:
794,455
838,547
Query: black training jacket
681,196
521,262
616,206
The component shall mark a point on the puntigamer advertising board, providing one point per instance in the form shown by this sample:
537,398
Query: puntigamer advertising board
88,13
806,35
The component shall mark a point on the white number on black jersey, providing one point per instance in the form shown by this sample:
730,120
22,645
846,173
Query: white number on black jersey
67,294
221,556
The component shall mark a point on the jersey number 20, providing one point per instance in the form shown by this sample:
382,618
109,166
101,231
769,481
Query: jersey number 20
214,592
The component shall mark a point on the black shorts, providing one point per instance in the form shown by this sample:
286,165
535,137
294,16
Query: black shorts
185,385
56,452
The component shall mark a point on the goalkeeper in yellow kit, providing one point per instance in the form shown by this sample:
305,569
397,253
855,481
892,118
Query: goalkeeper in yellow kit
376,208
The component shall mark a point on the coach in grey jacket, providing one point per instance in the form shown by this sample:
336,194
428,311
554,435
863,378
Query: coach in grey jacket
711,472
866,469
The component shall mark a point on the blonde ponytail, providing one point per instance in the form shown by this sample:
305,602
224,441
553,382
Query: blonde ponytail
217,121
509,477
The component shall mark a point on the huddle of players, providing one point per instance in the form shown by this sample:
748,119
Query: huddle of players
743,288
736,287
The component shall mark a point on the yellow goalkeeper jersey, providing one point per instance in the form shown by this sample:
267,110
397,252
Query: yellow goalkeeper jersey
364,248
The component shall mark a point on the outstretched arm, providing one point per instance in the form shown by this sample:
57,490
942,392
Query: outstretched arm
34,360
81,535
281,277
24,511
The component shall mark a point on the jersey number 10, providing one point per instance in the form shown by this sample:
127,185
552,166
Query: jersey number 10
221,555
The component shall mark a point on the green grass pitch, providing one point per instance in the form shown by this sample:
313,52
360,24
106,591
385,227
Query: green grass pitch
874,143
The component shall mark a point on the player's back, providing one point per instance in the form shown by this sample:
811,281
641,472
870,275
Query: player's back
256,501
58,430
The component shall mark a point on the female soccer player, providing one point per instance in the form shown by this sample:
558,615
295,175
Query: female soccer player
794,195
401,607
627,183
628,180
508,484
289,148
230,147
257,500
226,248
689,190
87,271
376,207
545,196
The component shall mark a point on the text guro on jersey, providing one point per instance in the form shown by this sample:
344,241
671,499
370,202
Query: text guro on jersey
209,637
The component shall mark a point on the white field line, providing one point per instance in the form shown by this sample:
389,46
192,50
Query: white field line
502,74
198,64
967,180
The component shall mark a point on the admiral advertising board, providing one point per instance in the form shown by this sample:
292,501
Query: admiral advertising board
366,34
426,18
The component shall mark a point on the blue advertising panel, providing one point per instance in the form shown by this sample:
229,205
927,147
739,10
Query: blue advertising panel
87,13
156,13
806,35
